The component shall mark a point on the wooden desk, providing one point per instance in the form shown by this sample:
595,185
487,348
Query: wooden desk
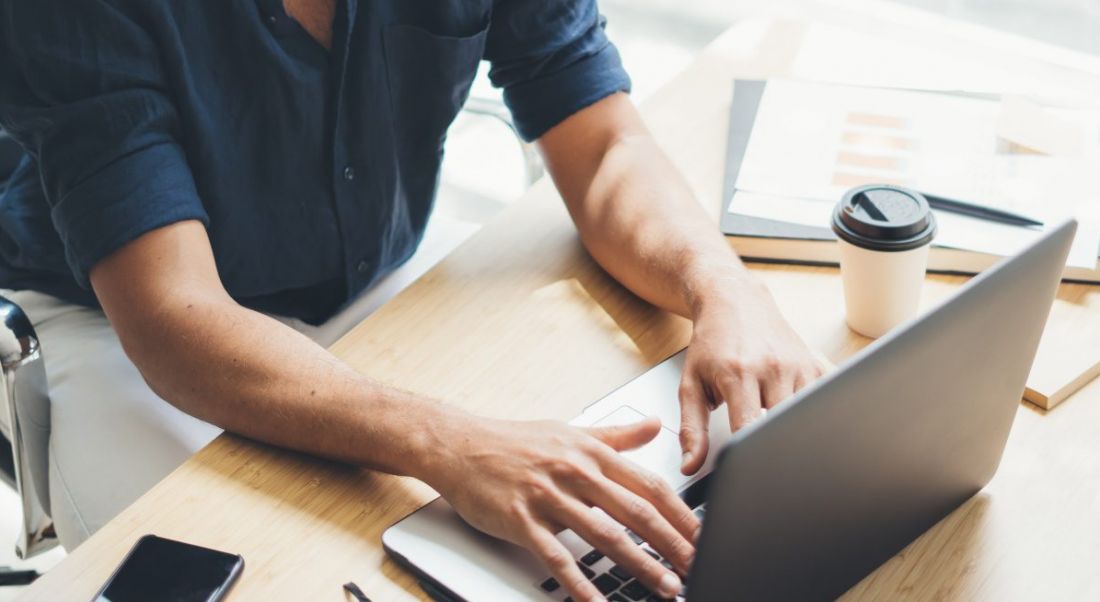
519,323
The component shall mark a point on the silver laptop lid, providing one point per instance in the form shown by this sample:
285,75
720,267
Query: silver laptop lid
831,484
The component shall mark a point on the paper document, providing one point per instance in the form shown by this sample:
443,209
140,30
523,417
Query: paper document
810,143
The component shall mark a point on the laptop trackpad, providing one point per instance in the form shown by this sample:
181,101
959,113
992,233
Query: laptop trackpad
661,455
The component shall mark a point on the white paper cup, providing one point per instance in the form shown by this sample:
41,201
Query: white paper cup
881,288
884,234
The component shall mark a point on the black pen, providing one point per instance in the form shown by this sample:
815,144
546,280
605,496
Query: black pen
980,211
356,593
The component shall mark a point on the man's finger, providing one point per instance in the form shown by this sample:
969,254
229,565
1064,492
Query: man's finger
642,516
654,489
694,420
742,400
804,379
611,539
776,389
561,564
627,436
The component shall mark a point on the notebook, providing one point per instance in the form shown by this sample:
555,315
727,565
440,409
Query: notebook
758,236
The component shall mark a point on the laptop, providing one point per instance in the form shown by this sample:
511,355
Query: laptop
806,501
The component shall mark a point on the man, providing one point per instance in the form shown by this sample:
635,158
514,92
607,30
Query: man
195,167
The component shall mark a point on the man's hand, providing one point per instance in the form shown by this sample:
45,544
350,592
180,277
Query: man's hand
743,353
525,481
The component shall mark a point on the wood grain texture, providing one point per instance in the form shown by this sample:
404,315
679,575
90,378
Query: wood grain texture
520,323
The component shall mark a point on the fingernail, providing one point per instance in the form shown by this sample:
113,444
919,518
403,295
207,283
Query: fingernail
685,458
669,585
689,561
695,536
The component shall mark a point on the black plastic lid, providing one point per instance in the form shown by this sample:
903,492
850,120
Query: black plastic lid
881,217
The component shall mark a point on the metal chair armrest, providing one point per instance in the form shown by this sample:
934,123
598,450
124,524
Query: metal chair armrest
24,390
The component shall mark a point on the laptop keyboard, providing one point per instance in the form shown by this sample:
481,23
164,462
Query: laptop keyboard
614,581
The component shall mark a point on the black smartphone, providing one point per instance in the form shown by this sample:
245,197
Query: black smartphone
164,570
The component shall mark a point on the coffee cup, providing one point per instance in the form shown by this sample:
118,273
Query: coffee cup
883,233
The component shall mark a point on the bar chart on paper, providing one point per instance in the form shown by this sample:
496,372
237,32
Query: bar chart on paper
874,149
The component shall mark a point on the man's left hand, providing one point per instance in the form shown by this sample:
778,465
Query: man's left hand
742,353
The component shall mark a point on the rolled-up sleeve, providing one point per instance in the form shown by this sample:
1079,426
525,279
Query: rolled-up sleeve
552,59
86,97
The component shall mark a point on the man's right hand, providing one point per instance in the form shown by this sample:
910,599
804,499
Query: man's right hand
526,481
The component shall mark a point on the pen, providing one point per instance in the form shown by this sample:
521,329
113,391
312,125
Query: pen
356,593
980,211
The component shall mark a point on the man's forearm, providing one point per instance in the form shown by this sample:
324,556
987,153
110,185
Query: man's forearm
637,216
243,371
252,375
645,227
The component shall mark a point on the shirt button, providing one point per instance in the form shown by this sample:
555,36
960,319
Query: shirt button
349,173
362,267
272,19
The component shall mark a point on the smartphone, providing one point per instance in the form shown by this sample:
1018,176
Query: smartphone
163,570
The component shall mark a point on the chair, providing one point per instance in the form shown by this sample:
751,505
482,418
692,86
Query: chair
25,425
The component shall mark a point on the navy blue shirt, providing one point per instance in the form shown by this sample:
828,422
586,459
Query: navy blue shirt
314,171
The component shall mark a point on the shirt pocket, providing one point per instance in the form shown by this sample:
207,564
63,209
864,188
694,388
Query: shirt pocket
429,78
